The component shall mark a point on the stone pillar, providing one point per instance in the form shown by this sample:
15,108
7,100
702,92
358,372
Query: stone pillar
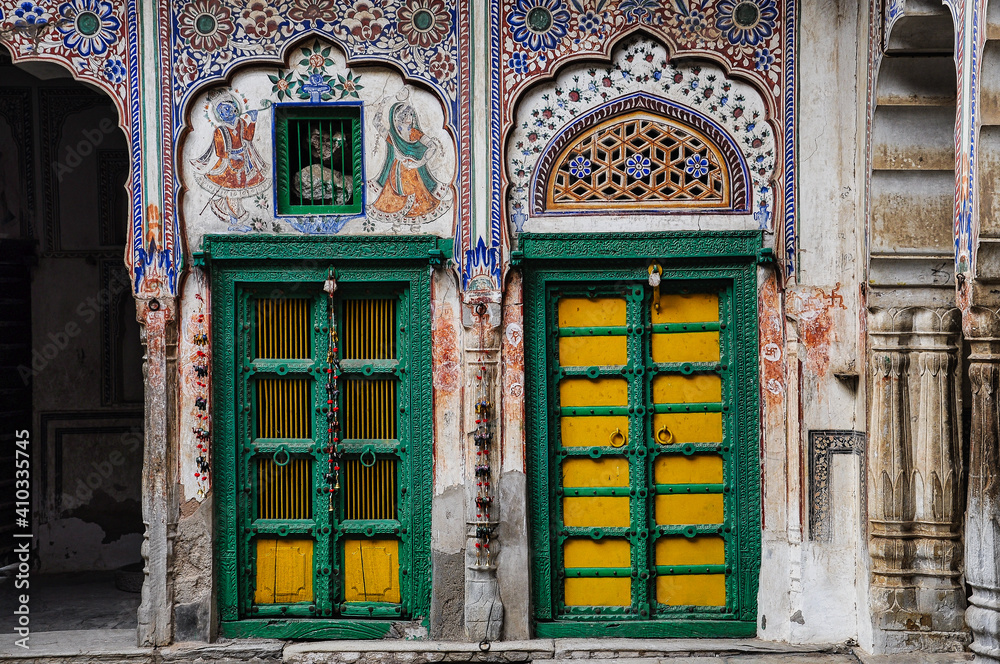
890,464
982,524
159,514
915,480
938,471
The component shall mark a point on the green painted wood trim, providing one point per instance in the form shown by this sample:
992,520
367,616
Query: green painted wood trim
596,411
683,570
594,331
672,489
305,629
648,629
598,572
330,250
687,408
584,491
681,328
713,245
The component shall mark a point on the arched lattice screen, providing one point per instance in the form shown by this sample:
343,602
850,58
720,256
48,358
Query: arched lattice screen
646,156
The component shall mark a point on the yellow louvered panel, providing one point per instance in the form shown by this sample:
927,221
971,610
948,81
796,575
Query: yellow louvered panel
370,492
369,330
283,491
283,329
283,406
370,409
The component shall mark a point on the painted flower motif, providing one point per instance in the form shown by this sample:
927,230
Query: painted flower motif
205,24
424,23
348,86
695,21
539,24
28,13
282,85
89,27
306,11
637,166
579,167
746,22
589,22
639,10
316,60
366,20
763,59
114,70
259,19
696,166
186,70
441,66
519,62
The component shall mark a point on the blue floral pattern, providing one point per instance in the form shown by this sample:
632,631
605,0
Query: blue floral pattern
637,166
89,27
732,20
114,70
763,59
639,10
519,62
590,22
579,167
28,13
539,24
696,166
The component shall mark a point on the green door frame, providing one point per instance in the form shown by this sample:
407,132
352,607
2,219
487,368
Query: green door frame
727,258
234,260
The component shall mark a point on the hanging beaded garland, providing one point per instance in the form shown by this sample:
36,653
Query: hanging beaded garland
332,394
199,364
483,437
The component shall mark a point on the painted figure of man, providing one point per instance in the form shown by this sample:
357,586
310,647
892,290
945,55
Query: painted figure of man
238,171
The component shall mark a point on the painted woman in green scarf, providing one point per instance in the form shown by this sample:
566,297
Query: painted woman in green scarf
407,192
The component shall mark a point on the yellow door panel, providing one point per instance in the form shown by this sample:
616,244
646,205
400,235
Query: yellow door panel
593,431
695,469
596,512
684,509
576,392
700,550
284,571
685,347
371,570
697,388
591,312
598,592
687,428
595,472
695,308
691,590
607,552
592,352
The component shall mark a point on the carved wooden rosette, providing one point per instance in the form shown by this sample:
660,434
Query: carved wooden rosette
982,524
915,470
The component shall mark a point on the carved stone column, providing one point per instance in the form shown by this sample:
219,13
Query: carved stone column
982,524
938,471
915,479
890,464
159,513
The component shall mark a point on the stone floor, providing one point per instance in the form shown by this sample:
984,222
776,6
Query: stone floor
84,619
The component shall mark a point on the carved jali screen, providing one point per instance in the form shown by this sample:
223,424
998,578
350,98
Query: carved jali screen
639,161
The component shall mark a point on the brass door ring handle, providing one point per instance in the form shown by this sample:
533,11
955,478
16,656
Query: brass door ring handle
618,435
660,436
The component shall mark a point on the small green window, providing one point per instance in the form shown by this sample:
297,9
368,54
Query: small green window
318,159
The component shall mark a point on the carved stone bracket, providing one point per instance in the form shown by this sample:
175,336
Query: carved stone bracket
982,524
915,470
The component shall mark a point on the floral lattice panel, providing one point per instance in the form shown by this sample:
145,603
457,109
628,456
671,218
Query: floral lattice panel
87,36
211,36
640,161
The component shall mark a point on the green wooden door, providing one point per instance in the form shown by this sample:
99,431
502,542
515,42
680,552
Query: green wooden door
643,470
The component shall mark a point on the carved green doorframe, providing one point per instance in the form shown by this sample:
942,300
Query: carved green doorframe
603,269
241,267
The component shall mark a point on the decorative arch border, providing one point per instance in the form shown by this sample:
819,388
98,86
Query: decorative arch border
740,192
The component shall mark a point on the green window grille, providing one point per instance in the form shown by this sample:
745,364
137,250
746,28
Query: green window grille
642,435
294,559
319,159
